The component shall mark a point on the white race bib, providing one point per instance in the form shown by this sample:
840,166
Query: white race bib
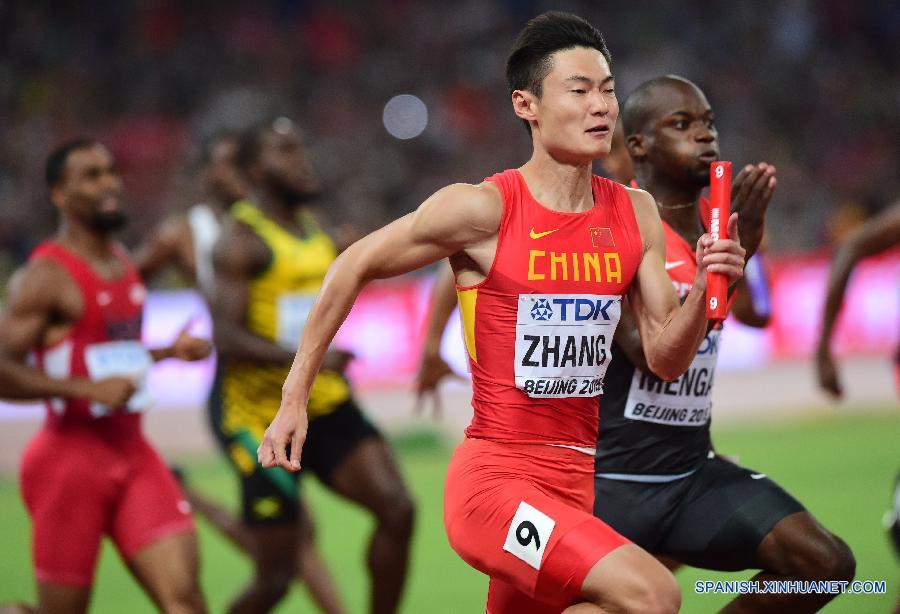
685,401
528,535
563,342
293,309
120,359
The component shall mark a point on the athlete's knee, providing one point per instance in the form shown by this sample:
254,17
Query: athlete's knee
396,515
658,593
183,597
645,586
273,584
816,555
830,559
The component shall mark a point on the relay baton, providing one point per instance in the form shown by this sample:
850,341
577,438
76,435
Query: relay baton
719,206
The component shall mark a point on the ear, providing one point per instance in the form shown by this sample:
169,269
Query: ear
637,146
524,103
56,195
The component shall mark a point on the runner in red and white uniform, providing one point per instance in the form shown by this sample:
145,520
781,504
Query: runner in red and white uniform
76,307
542,257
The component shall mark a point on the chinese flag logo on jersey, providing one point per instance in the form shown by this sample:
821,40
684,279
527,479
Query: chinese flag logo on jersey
602,237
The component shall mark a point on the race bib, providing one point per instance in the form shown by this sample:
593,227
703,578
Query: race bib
293,309
528,535
685,401
120,359
563,343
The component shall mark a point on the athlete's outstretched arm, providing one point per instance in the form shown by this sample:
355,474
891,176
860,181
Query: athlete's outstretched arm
671,335
164,248
35,298
433,368
877,235
456,218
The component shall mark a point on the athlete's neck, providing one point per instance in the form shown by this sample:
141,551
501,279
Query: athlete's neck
677,203
558,186
86,242
283,213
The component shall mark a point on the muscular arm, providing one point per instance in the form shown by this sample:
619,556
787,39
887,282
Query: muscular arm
164,248
33,299
671,335
237,256
454,218
876,235
433,368
443,302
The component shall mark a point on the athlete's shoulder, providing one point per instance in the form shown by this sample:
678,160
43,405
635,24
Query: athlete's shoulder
239,250
475,207
41,281
641,200
647,216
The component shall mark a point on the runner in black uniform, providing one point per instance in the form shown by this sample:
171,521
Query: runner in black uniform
659,481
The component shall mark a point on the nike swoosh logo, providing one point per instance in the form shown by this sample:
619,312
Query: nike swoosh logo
672,265
757,476
538,235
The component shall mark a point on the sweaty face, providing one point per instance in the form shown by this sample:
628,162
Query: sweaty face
577,110
223,178
681,137
284,166
90,191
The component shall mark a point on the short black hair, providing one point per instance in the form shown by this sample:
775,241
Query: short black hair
529,61
55,167
638,108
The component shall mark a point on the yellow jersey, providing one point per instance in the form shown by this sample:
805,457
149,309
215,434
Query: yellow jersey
279,299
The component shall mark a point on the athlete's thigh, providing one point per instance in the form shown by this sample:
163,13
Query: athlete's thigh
369,476
150,506
640,511
167,568
725,516
534,543
69,498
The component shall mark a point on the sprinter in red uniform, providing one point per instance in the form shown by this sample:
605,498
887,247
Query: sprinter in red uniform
543,256
76,307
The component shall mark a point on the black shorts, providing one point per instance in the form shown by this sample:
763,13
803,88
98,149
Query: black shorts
714,518
269,496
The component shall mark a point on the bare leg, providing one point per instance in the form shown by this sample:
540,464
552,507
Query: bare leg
275,561
369,477
628,579
797,548
168,570
312,569
220,518
60,598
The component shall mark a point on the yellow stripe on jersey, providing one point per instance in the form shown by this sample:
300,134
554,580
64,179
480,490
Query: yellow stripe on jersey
467,299
277,300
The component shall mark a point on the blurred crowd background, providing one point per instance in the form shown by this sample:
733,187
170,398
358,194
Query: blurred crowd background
811,86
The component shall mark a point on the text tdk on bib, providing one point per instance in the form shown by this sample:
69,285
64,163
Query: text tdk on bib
563,343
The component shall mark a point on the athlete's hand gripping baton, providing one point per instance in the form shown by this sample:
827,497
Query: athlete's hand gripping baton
719,206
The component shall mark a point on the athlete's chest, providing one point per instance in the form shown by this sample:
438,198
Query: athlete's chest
586,254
